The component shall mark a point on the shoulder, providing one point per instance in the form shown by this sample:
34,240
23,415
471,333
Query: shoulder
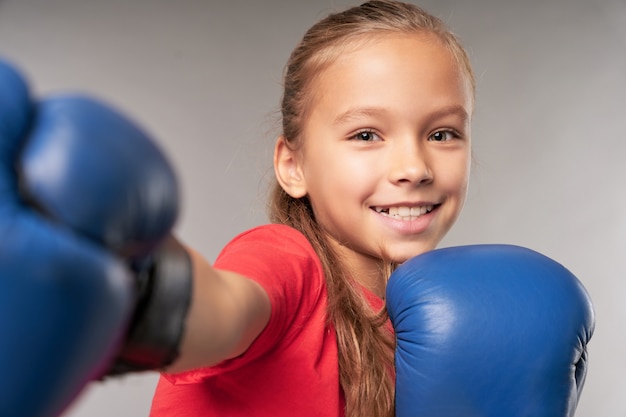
272,252
279,234
270,240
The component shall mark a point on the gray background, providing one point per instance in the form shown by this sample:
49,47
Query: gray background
204,78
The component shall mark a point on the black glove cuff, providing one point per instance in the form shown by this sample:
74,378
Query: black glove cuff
164,297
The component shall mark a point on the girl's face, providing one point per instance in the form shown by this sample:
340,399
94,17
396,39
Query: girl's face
386,152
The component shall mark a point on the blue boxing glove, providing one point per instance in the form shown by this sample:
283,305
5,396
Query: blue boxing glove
64,301
91,280
87,166
488,331
90,168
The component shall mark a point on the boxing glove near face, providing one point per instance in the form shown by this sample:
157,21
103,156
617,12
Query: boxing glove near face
488,331
64,301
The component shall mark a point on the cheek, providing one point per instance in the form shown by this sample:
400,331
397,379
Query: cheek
339,171
454,175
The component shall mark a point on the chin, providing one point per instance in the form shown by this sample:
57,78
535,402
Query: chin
403,256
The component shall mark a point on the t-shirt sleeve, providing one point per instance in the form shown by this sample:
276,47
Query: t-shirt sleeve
283,262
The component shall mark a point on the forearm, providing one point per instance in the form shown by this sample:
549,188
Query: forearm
227,312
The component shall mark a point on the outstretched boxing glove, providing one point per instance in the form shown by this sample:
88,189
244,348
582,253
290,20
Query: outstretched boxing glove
88,167
87,263
488,331
64,301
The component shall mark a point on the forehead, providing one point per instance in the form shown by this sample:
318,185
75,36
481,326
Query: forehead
394,71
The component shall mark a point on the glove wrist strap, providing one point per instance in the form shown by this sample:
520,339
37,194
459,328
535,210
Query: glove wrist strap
164,297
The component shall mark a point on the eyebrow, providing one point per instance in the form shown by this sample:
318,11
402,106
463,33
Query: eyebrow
364,112
358,113
452,110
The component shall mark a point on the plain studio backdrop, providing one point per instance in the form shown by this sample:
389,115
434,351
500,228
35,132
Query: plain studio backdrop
204,78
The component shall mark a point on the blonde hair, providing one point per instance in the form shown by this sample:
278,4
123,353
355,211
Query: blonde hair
365,344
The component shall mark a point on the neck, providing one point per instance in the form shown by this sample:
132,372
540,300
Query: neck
366,270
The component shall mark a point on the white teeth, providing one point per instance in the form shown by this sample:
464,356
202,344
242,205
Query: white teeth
404,212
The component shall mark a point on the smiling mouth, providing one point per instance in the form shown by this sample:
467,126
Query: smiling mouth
404,212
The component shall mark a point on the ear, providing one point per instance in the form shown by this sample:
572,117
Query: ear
288,170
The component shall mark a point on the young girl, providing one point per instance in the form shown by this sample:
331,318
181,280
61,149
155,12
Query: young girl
372,169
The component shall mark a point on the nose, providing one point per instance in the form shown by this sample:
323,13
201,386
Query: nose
409,164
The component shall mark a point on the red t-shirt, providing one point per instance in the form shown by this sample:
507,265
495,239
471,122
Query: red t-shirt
291,369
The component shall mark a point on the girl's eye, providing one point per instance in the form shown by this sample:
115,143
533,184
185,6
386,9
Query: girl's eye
443,136
366,136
